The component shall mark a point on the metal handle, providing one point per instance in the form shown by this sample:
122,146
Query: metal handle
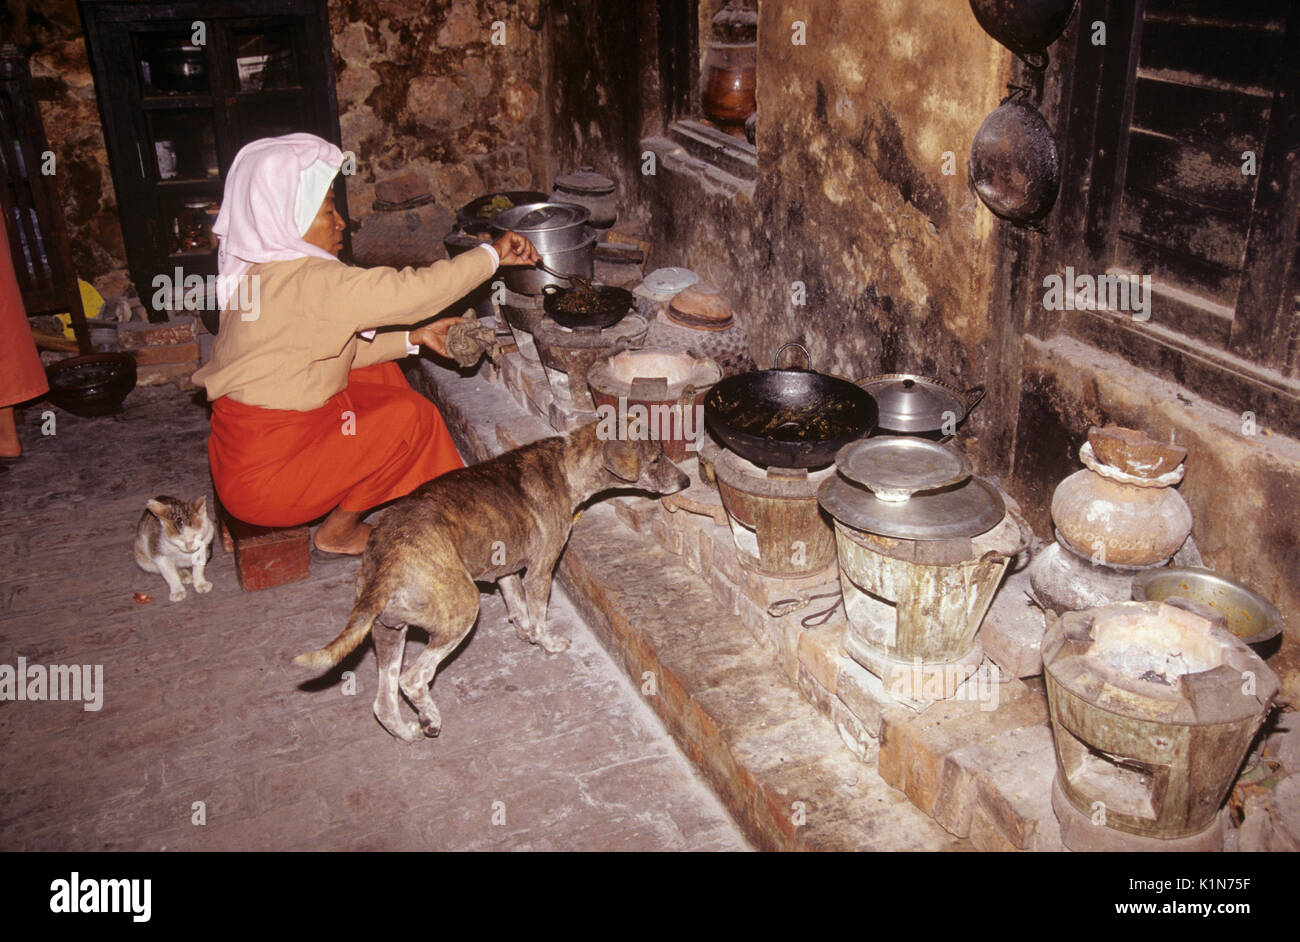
549,289
807,357
973,397
1035,60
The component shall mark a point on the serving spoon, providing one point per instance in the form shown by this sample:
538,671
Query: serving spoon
582,283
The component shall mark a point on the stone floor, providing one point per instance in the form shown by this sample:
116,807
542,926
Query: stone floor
201,705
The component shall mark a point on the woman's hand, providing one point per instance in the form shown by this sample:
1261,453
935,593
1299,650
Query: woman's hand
515,249
434,336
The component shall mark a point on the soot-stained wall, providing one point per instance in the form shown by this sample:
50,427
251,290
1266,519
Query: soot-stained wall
421,87
856,126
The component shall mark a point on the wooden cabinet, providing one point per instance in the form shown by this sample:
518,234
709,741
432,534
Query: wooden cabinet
182,87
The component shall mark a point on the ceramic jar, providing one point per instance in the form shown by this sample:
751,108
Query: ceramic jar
728,76
587,188
1117,517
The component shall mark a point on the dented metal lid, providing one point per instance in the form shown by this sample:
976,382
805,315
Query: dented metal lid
538,217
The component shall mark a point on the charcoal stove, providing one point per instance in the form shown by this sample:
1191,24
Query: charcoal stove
567,354
1153,708
775,522
922,546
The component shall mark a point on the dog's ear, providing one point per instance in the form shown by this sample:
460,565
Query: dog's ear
621,459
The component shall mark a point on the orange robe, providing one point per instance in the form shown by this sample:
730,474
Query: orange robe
375,441
21,375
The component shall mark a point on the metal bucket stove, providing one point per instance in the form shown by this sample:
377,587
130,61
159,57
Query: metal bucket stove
1153,709
922,547
775,523
567,355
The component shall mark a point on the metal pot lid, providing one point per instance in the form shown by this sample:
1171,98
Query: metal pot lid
959,512
911,403
585,180
541,217
896,467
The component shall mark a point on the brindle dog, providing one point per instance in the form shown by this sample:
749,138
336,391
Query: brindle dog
487,522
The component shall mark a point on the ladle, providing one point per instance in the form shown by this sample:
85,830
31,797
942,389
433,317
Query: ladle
582,283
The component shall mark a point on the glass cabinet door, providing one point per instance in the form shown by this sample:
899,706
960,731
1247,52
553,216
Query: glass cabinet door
169,63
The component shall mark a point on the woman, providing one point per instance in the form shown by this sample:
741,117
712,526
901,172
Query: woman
311,415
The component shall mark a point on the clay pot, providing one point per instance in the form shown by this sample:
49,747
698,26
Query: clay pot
585,187
1131,526
728,77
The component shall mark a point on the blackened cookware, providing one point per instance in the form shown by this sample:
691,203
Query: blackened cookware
788,418
597,306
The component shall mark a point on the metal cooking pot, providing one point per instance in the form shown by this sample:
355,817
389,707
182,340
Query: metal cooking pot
580,261
790,418
610,306
560,234
1026,27
916,405
551,227
1015,167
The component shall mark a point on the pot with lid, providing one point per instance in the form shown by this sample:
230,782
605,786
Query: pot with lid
560,234
911,404
585,187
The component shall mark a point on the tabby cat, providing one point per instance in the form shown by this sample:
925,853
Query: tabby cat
175,535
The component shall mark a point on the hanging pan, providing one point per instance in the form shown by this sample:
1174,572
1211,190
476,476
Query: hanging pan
1015,168
1026,27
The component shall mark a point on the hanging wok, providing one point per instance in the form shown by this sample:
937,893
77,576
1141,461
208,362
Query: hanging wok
790,418
1026,27
600,307
1015,167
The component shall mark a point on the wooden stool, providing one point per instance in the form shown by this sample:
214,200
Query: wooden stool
265,557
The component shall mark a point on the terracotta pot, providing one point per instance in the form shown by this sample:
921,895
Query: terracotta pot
727,83
1131,526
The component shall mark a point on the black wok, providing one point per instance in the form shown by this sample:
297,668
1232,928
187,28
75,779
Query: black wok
605,308
790,418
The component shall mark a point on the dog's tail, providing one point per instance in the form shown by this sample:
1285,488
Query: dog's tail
359,623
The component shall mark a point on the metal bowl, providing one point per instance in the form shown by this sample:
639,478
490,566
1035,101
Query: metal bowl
1251,617
91,385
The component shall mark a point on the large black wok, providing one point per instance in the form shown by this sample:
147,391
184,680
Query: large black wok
791,418
602,306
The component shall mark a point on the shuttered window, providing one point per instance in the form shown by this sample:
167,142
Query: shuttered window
1180,144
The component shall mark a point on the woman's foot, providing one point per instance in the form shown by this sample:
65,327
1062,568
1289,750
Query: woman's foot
10,447
342,532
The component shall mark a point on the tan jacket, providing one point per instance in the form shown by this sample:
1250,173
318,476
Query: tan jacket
296,346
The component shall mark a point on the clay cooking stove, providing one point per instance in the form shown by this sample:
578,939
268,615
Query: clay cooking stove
775,522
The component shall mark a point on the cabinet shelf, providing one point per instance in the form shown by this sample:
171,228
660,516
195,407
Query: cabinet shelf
161,142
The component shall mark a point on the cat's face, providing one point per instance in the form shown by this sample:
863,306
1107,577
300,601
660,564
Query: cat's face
184,524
